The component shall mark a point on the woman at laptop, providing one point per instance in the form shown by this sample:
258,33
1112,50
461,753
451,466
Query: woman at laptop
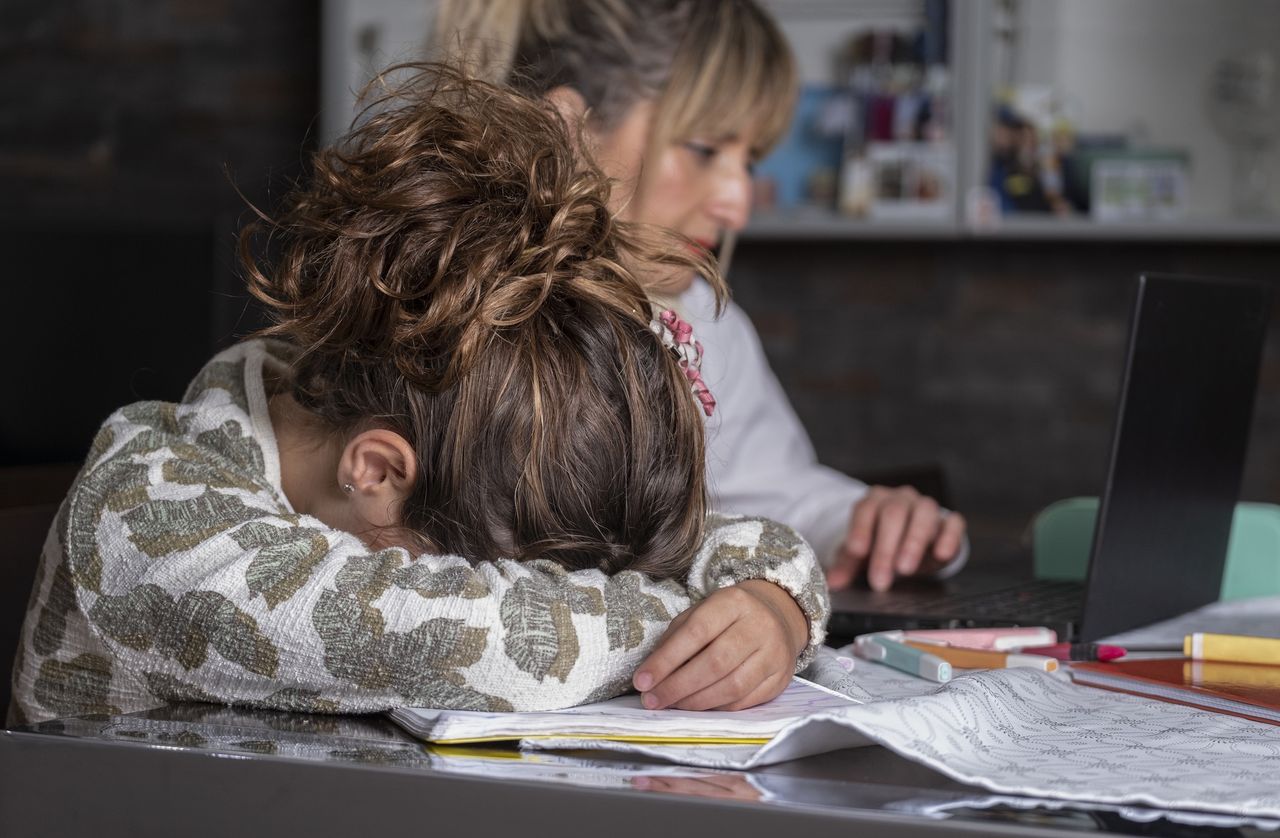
679,99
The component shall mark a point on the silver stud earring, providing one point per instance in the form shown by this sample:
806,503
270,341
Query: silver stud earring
348,488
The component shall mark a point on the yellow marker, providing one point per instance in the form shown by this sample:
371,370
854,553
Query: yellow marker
1234,648
984,659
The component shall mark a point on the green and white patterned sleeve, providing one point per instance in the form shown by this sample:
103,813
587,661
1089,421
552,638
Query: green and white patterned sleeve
203,586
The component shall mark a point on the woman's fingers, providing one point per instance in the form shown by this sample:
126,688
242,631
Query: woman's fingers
855,548
862,523
949,540
891,522
895,531
922,529
841,574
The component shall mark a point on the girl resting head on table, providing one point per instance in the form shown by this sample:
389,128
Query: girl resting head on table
464,469
678,99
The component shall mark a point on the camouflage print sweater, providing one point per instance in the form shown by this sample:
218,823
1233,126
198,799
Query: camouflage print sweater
177,570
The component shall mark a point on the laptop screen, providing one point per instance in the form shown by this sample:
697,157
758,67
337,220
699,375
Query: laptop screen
1178,452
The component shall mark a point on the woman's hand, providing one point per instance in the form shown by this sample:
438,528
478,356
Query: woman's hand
735,649
895,532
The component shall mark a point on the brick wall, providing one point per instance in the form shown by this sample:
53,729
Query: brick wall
119,125
998,361
125,113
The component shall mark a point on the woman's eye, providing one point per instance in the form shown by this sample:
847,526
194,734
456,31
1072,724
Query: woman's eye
705,153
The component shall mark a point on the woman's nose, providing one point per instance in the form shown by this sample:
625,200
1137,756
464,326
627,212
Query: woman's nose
730,204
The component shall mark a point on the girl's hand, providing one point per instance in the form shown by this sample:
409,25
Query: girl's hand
735,649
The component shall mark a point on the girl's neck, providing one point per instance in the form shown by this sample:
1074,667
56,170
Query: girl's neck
308,461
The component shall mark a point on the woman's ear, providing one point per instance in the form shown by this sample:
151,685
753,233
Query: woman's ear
378,470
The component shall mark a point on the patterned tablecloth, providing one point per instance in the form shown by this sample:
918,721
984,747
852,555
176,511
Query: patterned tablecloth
1024,732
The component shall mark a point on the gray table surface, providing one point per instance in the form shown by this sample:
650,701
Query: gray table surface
196,770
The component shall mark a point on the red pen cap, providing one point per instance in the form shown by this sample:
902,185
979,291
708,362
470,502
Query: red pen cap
1077,651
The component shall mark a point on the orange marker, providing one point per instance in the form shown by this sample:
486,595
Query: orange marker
982,659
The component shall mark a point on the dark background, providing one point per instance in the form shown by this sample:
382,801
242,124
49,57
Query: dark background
986,368
123,127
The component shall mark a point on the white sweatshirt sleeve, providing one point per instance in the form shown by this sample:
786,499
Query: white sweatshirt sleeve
759,458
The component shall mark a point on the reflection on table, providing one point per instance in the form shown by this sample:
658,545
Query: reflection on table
844,783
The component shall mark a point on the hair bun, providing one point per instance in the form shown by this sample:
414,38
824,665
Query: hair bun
452,214
453,272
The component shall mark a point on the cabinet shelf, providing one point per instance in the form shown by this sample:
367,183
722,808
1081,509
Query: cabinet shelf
811,224
817,224
1076,59
1085,229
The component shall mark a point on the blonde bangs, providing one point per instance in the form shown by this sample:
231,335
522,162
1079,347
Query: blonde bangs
733,75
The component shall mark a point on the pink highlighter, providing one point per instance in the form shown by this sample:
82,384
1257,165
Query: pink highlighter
1078,651
996,639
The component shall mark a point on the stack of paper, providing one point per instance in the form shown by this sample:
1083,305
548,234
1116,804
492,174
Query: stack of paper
624,719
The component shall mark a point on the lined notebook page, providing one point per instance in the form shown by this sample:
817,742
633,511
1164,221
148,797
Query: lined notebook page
624,718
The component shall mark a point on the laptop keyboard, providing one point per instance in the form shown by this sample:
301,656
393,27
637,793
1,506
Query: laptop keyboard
1040,600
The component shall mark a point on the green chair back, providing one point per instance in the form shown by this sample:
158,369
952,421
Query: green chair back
1062,536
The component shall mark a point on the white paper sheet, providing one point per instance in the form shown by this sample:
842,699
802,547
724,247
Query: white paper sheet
625,716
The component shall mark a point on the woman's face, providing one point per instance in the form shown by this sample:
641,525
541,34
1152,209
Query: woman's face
700,186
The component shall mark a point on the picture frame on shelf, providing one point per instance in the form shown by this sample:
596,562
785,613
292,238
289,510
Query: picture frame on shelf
1139,188
911,181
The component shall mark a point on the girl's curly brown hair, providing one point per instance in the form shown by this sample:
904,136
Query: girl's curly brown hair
453,272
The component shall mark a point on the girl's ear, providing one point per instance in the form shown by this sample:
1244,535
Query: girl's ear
377,471
569,103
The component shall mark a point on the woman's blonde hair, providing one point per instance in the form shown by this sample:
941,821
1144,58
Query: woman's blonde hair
713,68
452,271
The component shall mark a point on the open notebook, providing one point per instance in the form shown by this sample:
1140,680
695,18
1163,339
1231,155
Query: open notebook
624,719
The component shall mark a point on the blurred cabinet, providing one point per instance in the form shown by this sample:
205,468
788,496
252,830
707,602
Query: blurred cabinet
358,38
1142,119
1107,119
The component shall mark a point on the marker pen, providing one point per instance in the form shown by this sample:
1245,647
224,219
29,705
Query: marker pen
1000,639
881,648
986,658
1077,651
1232,647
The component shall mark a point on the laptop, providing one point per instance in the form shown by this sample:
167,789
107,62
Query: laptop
1164,519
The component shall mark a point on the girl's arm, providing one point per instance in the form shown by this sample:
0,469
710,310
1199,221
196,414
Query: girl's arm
740,646
203,586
